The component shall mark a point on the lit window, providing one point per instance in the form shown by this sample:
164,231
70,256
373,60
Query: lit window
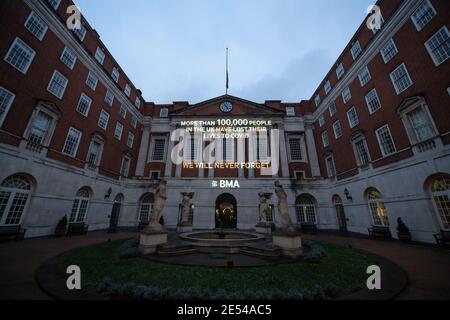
346,95
401,79
352,117
80,206
123,111
72,141
115,74
377,208
317,100
439,46
296,150
356,50
159,149
118,131
332,108
57,85
340,71
103,120
389,51
364,76
321,120
20,55
328,87
15,193
325,140
91,81
305,210
100,56
440,191
337,129
68,58
84,105
385,141
130,140
36,26
423,14
6,100
373,102
127,90
109,98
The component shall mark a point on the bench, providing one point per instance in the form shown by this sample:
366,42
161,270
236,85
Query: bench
310,228
9,232
443,238
377,232
76,229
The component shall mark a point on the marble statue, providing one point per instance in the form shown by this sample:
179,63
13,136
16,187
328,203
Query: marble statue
262,207
185,209
283,206
160,201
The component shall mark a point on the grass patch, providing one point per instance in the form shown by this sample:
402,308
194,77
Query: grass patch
343,267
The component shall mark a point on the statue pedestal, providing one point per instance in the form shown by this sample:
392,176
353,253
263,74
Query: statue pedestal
183,228
263,228
150,239
289,242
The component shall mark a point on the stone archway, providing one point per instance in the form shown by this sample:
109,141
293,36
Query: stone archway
226,212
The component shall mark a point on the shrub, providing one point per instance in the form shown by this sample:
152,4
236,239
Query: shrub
129,249
314,252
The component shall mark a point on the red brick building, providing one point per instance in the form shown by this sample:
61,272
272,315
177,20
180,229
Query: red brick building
371,145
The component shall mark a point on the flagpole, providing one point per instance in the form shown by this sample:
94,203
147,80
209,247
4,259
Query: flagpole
227,80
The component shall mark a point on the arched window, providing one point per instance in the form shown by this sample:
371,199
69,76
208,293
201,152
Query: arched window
440,191
377,208
15,194
305,209
146,208
80,206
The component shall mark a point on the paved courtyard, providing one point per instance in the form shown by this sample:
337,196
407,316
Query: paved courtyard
427,267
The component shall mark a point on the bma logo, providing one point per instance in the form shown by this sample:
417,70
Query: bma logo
226,184
74,21
375,19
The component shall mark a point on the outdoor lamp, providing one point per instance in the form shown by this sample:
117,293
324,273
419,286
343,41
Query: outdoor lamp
348,195
108,193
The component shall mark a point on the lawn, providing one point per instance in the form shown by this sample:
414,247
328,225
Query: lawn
343,267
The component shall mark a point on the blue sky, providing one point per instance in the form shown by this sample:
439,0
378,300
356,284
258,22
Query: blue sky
174,50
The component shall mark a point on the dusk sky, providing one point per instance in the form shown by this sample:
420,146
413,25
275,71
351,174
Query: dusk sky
174,50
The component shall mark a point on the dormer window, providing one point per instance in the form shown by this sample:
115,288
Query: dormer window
164,113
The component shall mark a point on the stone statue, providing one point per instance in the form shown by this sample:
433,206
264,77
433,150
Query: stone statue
262,207
160,201
185,209
283,206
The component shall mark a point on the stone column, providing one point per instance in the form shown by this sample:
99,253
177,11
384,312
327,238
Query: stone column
283,153
312,151
168,170
251,158
240,149
143,150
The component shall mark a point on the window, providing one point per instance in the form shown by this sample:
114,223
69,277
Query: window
337,129
385,141
20,55
123,111
80,206
299,175
305,209
36,26
364,76
421,124
317,100
362,154
84,105
325,140
389,51
352,116
290,111
68,58
400,78
356,50
15,193
134,121
440,191
91,81
72,141
332,108
373,103
159,148
438,46
328,87
331,169
146,209
118,131
137,103
6,100
423,14
80,33
261,148
130,140
95,152
57,85
346,95
125,169
38,131
321,121
154,175
100,55
109,98
377,208
127,90
340,71
164,113
296,148
103,120
115,75
54,3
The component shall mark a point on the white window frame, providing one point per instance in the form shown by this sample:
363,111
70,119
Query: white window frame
327,87
103,112
361,138
290,111
134,121
123,111
80,33
350,122
89,100
427,45
108,94
397,90
56,5
130,140
70,52
330,173
321,120
118,125
96,138
340,74
367,101
75,150
115,74
100,55
346,99
15,194
21,43
332,108
65,85
8,105
327,142
383,53
35,15
127,90
164,113
337,133
302,148
153,146
356,50
362,78
137,102
413,19
317,100
380,145
91,74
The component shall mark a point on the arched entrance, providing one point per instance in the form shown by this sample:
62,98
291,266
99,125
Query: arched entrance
226,212
340,212
115,213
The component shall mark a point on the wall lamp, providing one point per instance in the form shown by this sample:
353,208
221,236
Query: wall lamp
348,195
108,193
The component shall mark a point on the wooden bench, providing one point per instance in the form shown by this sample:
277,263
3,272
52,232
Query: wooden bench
12,232
377,232
443,238
76,229
310,228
